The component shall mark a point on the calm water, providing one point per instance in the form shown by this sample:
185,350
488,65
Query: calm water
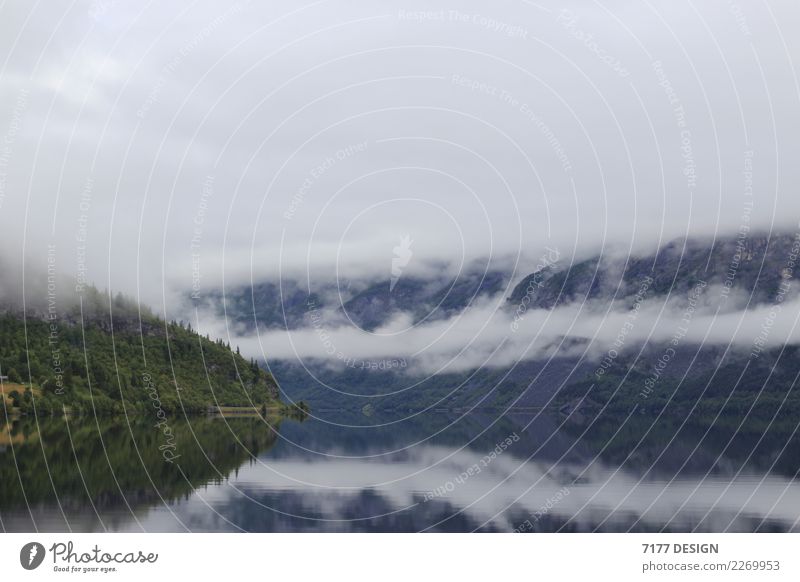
433,472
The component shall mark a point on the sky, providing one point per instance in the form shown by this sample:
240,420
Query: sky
160,148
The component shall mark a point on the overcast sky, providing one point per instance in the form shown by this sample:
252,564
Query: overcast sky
294,136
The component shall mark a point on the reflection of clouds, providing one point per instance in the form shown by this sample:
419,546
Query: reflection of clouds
329,488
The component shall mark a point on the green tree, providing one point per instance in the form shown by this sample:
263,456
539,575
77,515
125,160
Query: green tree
13,376
15,397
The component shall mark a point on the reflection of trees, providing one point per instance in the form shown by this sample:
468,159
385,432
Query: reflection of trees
121,465
664,446
353,433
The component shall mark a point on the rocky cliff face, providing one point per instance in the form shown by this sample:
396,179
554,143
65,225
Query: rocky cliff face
753,266
290,304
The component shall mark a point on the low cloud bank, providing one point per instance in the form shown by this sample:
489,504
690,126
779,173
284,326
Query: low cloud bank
491,333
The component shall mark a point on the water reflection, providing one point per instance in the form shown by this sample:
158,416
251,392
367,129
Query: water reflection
476,472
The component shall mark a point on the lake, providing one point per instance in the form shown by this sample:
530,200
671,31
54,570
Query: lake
441,471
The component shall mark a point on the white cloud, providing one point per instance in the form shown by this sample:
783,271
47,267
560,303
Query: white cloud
479,142
485,336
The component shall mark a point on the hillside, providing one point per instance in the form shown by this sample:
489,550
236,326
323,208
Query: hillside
753,265
729,275
112,359
289,305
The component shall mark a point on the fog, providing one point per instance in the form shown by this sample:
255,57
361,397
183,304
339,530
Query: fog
157,146
488,333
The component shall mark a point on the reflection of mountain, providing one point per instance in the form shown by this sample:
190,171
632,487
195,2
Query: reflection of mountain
477,432
385,497
82,465
659,449
322,477
353,483
486,387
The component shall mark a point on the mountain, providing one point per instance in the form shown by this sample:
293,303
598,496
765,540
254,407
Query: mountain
755,265
725,275
289,305
424,300
103,356
263,305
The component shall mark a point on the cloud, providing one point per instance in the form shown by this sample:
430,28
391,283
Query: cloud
250,142
488,335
